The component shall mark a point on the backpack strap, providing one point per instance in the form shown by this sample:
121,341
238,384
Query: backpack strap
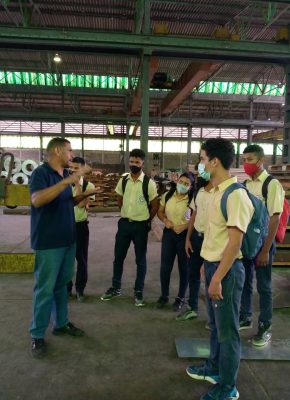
85,185
145,186
245,183
124,183
227,192
168,195
265,187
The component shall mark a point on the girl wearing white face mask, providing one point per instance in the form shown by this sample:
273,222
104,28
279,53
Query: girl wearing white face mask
174,211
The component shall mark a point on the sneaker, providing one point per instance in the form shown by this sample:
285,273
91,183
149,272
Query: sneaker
207,327
139,301
80,297
68,329
110,293
188,314
161,302
245,323
201,373
263,336
38,348
217,393
178,304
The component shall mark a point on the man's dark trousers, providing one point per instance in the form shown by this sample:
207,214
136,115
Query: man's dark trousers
136,232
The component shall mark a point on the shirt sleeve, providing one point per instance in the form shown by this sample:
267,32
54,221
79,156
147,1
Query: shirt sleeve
275,199
118,189
240,210
38,181
192,205
152,190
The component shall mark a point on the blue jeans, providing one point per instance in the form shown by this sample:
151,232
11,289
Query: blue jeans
225,347
194,264
136,232
172,245
53,269
264,288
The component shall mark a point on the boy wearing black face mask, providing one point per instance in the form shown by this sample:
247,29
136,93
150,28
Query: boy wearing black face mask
133,225
253,157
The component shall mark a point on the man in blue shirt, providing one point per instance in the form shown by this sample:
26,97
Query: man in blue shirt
53,239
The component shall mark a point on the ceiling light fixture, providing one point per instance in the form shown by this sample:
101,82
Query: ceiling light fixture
57,58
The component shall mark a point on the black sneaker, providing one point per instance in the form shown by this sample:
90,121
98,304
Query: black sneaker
68,329
263,336
139,301
110,293
161,302
38,348
245,323
178,304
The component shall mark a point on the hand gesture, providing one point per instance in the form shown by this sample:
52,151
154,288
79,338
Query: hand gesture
188,247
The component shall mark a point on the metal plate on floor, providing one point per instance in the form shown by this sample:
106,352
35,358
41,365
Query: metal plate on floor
276,350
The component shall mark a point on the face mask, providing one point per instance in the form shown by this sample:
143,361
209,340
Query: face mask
202,172
181,188
250,169
134,169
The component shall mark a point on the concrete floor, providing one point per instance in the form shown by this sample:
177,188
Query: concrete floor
128,352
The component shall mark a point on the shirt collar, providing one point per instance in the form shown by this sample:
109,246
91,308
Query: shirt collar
140,177
262,177
225,184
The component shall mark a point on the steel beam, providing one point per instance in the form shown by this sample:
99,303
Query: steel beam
191,77
129,43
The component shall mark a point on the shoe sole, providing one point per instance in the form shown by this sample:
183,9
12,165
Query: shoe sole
179,317
269,336
242,328
202,378
103,299
139,305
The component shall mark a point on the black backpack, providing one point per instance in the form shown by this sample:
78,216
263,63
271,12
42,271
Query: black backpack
145,186
85,185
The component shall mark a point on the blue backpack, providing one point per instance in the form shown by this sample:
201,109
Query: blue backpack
258,227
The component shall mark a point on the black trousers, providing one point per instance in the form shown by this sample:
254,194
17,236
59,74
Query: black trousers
136,232
82,246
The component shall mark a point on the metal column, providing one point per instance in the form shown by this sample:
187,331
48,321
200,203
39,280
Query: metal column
189,138
145,108
127,127
286,138
250,128
83,147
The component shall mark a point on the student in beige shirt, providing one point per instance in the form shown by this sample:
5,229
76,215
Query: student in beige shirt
193,244
253,157
134,224
175,213
224,271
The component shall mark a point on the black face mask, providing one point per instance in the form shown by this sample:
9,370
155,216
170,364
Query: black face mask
134,169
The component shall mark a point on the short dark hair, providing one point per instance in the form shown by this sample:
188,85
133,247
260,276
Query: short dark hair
79,160
56,142
255,148
222,149
137,153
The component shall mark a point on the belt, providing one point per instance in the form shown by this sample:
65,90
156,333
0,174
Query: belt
131,220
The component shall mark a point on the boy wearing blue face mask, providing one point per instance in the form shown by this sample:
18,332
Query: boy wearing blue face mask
174,212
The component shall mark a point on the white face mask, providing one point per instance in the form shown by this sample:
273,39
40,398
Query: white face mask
202,172
182,188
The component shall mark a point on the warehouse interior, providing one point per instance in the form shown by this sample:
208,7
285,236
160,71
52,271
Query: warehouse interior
111,76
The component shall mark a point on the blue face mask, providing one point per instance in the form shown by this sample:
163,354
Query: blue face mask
202,172
181,188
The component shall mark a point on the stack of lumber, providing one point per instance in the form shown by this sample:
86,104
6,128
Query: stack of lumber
107,198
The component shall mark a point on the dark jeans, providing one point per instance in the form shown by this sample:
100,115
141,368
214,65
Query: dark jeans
136,232
82,243
225,347
194,264
172,245
264,288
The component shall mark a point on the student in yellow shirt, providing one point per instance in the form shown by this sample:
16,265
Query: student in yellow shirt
174,212
193,244
82,231
136,213
253,157
224,271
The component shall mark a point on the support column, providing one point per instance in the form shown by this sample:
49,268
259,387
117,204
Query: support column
162,153
238,150
126,159
145,108
62,128
41,155
274,157
286,136
83,147
250,128
189,138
